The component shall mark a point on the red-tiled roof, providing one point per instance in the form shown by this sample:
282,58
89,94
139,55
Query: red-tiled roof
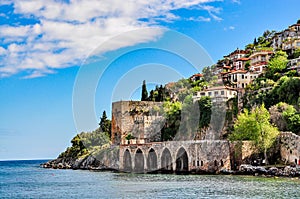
197,75
261,52
243,59
237,51
238,71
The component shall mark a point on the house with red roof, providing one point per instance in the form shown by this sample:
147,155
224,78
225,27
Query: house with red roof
259,60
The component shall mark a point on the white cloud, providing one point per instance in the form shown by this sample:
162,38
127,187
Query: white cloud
5,2
65,33
229,28
236,1
2,51
199,18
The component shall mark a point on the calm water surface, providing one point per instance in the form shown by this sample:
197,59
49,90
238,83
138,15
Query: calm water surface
25,179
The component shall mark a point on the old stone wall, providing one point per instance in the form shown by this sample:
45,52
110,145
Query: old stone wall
141,119
240,153
290,147
200,155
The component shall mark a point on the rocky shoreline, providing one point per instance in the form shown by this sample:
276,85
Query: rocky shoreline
85,163
246,169
91,163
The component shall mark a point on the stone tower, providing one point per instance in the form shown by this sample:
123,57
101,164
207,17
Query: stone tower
141,120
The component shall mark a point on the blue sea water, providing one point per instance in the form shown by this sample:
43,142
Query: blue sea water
25,179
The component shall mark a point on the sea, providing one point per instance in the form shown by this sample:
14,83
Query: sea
26,179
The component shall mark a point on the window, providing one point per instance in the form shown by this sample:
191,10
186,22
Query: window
209,93
194,162
216,93
201,163
202,94
222,93
242,76
197,163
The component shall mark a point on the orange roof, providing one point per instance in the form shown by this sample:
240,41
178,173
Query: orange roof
243,59
196,75
237,51
239,71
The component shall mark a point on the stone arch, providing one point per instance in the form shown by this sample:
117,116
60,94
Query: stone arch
152,160
166,160
182,160
139,161
127,161
216,163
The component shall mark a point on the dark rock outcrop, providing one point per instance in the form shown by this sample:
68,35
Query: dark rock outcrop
107,159
287,171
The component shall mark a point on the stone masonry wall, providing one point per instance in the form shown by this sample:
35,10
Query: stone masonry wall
290,147
203,155
141,119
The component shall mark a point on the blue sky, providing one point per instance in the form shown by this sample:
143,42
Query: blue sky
45,46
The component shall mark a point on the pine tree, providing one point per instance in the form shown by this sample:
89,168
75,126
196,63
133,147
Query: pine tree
255,41
105,124
160,94
144,92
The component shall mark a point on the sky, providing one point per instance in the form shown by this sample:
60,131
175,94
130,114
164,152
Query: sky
63,62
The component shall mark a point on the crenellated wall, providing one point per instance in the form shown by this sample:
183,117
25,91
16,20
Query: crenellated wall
141,119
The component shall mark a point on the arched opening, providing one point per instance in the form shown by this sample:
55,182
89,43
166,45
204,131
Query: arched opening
139,162
152,161
166,161
182,161
216,163
127,161
222,163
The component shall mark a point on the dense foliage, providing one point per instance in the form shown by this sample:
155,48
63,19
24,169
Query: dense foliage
255,126
85,143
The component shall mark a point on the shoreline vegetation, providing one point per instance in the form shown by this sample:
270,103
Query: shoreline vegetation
264,107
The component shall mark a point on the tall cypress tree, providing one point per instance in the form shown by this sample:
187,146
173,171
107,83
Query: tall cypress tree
105,124
255,42
144,92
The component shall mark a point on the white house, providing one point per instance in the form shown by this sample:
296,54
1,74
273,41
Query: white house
217,94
